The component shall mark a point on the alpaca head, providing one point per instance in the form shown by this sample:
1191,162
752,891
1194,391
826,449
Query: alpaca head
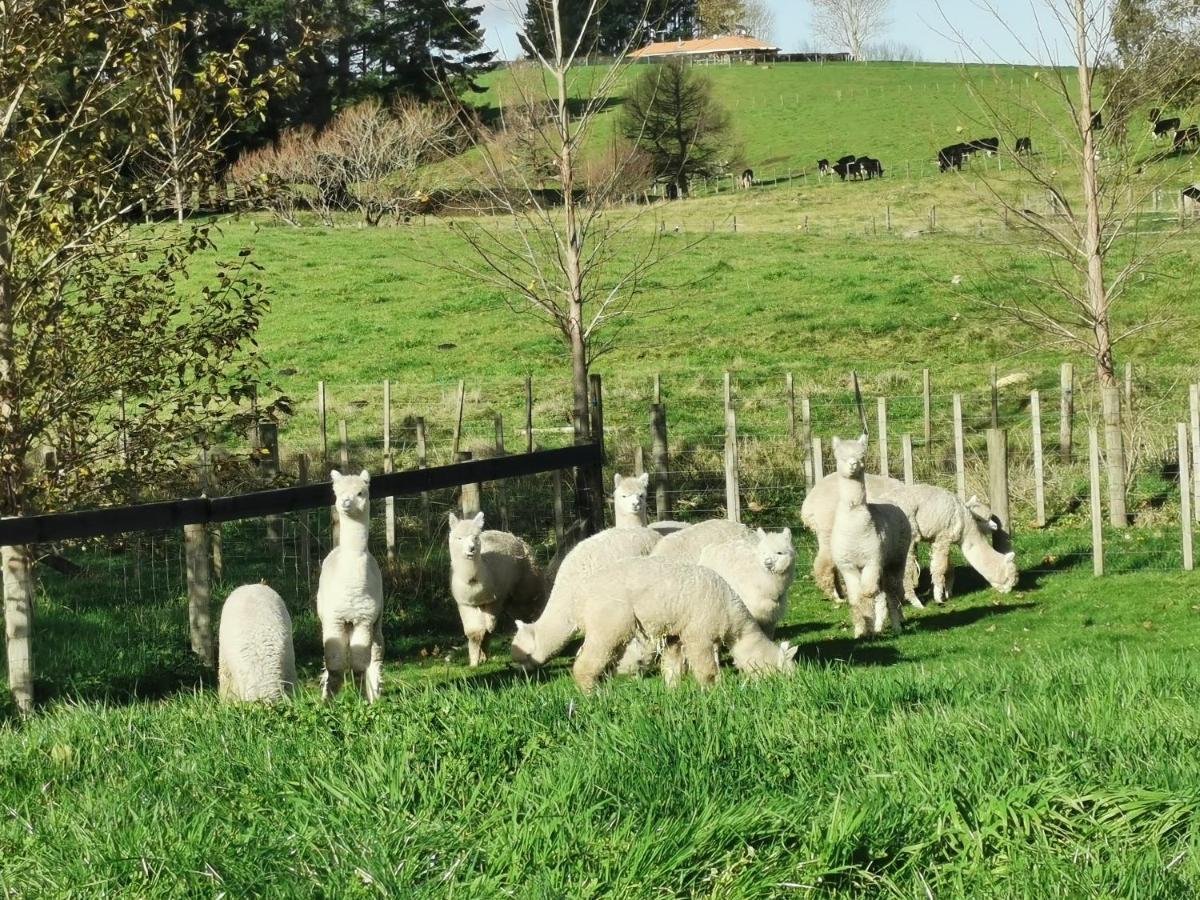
851,456
981,512
629,495
776,551
760,655
466,536
1007,578
351,493
523,646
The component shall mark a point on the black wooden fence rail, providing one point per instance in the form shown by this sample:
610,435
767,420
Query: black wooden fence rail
171,514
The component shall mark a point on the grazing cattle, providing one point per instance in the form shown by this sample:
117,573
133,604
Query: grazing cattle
951,157
823,167
872,168
1097,120
1189,135
846,160
1191,200
747,179
1024,145
1164,127
847,169
987,145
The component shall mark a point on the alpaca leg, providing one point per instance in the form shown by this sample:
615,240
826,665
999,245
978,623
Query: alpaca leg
873,606
374,676
225,688
939,568
478,623
701,656
362,640
854,596
590,663
912,575
337,651
825,573
893,591
671,663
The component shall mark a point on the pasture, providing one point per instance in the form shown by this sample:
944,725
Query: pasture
1039,743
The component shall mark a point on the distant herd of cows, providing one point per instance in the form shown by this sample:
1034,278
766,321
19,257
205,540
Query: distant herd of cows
860,168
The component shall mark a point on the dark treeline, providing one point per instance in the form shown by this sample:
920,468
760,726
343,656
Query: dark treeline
613,26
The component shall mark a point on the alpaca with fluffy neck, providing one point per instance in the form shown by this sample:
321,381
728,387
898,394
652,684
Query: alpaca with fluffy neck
350,595
869,544
759,571
629,500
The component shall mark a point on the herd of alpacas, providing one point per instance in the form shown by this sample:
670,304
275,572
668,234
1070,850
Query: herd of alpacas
641,593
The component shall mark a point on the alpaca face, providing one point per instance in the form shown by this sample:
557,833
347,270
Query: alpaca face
629,494
351,493
466,535
523,646
1009,574
776,551
851,456
981,512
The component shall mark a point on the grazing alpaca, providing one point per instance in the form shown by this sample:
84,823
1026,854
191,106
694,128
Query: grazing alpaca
491,572
255,656
350,595
869,544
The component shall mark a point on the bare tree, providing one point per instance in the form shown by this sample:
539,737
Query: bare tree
560,252
849,24
758,19
1093,234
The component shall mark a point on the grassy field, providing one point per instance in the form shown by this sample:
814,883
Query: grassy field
1039,744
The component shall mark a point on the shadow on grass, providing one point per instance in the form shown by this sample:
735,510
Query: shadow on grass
960,617
855,652
789,632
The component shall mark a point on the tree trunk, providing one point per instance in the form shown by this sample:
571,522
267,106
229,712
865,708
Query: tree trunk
11,469
1097,295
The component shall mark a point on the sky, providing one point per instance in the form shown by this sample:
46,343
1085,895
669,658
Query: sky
917,23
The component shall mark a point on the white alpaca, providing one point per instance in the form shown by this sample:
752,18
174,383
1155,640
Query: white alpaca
536,642
937,517
350,595
491,572
759,571
630,505
256,660
686,609
869,543
687,545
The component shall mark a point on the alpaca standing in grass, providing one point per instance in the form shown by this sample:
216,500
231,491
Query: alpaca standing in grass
869,543
491,572
687,545
350,595
256,660
686,609
759,571
937,517
537,642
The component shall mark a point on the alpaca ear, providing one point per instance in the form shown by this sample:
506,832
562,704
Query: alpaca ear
334,474
616,480
992,524
1010,557
787,533
644,479
862,440
837,443
364,475
787,651
521,626
453,520
974,499
478,520
762,535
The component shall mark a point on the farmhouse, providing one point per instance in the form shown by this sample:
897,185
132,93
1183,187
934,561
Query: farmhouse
716,49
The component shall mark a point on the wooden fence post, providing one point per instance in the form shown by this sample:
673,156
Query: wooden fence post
266,449
389,503
458,417
1039,479
806,439
528,413
927,398
995,400
1094,495
662,478
997,443
1128,385
559,524
1194,403
423,462
1066,411
733,504
195,546
500,451
639,461
18,622
344,446
881,405
305,550
595,474
208,487
469,499
818,463
791,408
906,447
1114,454
1185,497
960,462
321,423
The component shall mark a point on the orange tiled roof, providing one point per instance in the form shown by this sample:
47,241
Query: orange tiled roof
730,44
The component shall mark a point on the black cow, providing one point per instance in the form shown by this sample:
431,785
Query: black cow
823,167
1024,145
1164,127
989,145
872,168
747,179
952,157
846,160
1097,120
1189,135
848,169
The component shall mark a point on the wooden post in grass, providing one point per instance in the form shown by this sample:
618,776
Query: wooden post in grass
927,401
1066,411
639,461
881,404
305,519
207,488
195,548
995,400
458,417
1128,385
733,503
18,622
818,463
469,500
595,474
322,425
806,437
658,430
1094,500
791,407
344,446
500,451
657,388
960,463
422,463
1039,481
1194,415
559,527
528,413
389,503
268,456
906,447
1185,496
1114,456
997,444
